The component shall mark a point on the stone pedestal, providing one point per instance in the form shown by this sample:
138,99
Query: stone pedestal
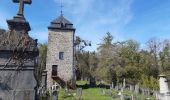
163,84
164,93
18,54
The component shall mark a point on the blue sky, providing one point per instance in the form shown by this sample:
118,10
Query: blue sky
125,19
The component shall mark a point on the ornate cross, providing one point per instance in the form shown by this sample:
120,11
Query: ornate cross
21,6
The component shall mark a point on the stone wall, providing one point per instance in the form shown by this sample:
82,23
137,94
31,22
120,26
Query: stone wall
17,85
60,41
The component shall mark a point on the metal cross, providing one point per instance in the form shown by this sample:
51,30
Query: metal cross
21,6
61,7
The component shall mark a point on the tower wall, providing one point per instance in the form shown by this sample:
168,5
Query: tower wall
60,41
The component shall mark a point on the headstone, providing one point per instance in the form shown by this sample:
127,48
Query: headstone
132,97
124,83
79,92
131,88
116,87
44,79
54,91
167,96
137,88
120,86
121,95
112,86
92,81
163,84
108,93
18,54
164,93
54,95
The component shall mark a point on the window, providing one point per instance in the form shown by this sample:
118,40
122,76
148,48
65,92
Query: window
54,70
61,55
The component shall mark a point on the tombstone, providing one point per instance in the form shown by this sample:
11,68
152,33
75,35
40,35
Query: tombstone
120,86
54,91
131,88
42,90
121,95
163,84
108,93
124,83
164,93
18,54
92,81
137,88
54,95
79,92
167,96
44,79
112,86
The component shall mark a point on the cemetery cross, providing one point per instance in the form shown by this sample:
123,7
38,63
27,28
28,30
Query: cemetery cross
21,6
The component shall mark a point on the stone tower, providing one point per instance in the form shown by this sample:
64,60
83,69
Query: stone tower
60,53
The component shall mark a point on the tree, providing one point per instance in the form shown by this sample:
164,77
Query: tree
81,57
106,54
41,61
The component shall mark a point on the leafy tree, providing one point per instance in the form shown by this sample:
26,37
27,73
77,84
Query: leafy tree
106,54
82,58
41,61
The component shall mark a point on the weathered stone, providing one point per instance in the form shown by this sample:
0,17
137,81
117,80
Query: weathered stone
60,40
18,53
136,88
79,92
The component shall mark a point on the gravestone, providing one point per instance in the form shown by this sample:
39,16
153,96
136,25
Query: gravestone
131,88
124,83
18,54
92,81
112,86
136,88
44,79
120,86
54,95
79,92
107,92
54,91
116,87
121,95
164,93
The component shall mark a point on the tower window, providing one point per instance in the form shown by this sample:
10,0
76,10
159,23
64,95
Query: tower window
61,55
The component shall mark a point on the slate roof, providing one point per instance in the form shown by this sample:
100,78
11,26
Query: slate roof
61,19
61,23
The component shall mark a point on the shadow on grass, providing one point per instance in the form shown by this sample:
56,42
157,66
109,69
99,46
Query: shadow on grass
86,86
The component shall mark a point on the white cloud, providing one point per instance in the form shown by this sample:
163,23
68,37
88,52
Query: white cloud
77,8
99,12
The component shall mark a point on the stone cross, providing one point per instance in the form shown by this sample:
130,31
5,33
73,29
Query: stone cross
21,6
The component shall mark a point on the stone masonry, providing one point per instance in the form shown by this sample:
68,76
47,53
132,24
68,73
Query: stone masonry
60,39
18,54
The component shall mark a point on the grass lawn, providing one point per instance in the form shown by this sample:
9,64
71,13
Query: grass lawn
81,82
96,94
87,94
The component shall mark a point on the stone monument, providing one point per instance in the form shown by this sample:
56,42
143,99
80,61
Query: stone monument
164,93
18,54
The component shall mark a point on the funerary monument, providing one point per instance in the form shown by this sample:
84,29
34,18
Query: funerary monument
18,54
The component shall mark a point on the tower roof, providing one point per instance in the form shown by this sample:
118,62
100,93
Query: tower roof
61,23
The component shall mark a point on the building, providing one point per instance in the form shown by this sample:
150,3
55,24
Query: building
60,53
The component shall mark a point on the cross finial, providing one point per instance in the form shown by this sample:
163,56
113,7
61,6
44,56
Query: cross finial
61,7
21,6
